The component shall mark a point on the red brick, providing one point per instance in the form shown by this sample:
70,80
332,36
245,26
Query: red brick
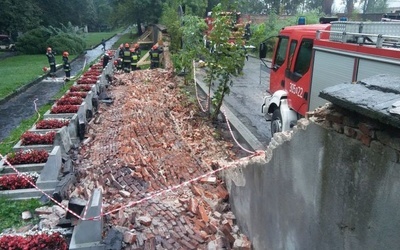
349,131
193,206
203,214
335,117
196,190
366,140
187,244
196,237
222,192
367,129
200,224
228,235
166,244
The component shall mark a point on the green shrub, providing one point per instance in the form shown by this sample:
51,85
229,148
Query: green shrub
67,42
34,41
37,40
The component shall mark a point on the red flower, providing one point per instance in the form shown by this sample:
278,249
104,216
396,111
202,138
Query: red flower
80,94
51,124
64,109
80,88
31,242
69,101
14,181
31,138
27,157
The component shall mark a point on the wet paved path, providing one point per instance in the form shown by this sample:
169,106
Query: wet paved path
22,105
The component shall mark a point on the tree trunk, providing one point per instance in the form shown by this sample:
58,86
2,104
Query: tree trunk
139,27
327,6
349,7
217,109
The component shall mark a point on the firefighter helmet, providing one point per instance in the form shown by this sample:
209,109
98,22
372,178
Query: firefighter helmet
65,54
126,45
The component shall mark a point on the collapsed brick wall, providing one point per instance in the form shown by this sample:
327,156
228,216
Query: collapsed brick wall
149,140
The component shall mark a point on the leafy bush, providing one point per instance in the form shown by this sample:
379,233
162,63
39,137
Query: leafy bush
37,40
274,24
67,42
34,41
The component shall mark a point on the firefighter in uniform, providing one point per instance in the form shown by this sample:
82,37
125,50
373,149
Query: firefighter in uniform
135,58
66,66
52,61
127,58
106,59
155,57
137,49
121,51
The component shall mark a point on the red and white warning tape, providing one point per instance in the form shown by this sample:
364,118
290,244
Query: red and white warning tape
197,93
133,203
36,187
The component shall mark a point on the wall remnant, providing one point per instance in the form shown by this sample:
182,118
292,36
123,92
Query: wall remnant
331,183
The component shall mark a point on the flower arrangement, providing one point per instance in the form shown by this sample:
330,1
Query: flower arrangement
27,157
80,88
31,138
15,181
37,241
66,100
78,94
51,123
64,109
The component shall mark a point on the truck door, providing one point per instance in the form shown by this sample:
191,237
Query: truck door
298,76
277,75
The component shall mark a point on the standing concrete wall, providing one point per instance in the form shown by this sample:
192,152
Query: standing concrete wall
319,189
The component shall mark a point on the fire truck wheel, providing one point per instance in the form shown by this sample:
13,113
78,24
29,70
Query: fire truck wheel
276,122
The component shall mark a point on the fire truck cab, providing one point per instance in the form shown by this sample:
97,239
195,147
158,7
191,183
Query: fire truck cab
308,58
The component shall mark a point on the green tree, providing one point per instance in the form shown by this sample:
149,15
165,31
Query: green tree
18,16
138,12
374,6
225,60
172,19
193,46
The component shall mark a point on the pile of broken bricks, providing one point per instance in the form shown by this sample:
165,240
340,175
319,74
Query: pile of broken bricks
150,139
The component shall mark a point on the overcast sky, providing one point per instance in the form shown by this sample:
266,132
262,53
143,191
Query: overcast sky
338,5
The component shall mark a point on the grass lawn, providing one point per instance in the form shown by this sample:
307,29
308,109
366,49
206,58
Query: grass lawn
10,212
17,71
125,38
94,38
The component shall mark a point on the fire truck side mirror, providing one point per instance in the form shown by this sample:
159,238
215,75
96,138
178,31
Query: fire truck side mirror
263,50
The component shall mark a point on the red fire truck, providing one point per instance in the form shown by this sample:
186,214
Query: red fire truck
308,58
